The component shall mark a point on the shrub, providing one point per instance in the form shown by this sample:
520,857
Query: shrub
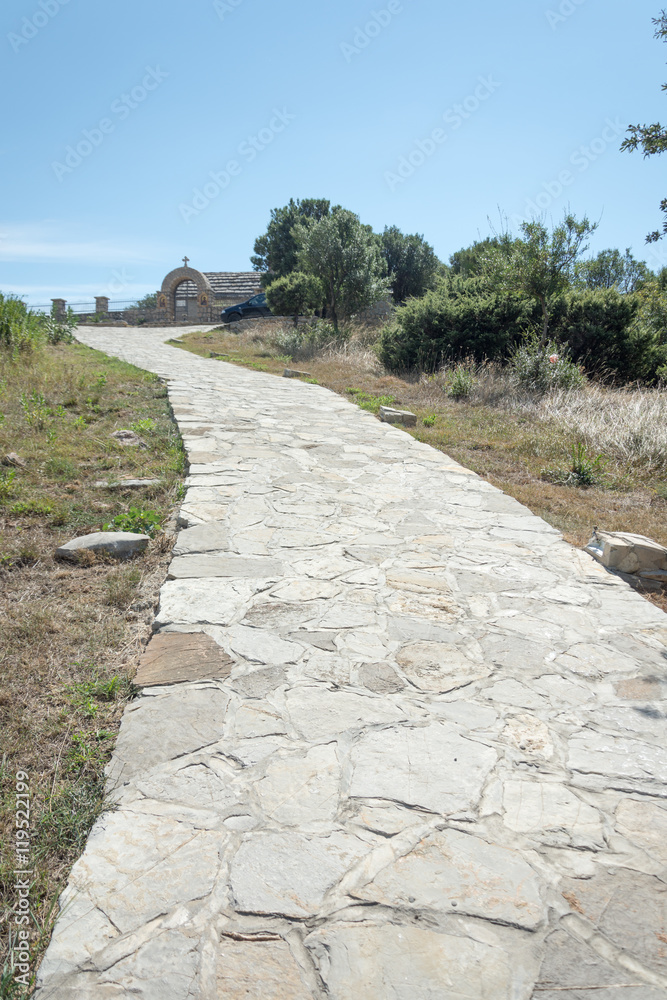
20,329
460,382
59,329
463,317
296,294
460,318
540,368
598,327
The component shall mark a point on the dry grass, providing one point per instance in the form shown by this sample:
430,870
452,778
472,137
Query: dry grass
71,632
508,437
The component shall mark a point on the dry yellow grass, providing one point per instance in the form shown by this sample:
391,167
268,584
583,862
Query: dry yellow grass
70,632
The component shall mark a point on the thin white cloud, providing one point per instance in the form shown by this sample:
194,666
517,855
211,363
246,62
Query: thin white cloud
50,242
42,294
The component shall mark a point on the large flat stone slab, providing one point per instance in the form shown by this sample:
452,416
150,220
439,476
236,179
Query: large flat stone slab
189,567
176,657
431,766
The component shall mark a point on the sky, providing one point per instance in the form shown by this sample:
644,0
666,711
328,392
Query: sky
139,131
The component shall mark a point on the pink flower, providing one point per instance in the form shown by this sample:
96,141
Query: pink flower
554,359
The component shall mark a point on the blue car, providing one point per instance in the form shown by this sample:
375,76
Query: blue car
252,308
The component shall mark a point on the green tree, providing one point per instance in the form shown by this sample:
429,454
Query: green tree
612,269
651,139
277,249
411,263
148,302
294,294
471,262
541,264
346,258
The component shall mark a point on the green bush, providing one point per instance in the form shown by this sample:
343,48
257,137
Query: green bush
539,368
460,318
598,327
463,318
296,294
20,328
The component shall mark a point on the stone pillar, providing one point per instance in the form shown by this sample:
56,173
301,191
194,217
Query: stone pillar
60,308
101,304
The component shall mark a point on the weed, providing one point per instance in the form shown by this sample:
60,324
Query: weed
8,483
35,409
65,825
122,586
584,471
100,380
89,751
60,468
84,695
460,382
31,508
21,330
430,420
137,520
143,426
369,402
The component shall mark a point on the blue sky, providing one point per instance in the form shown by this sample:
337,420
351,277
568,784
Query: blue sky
137,131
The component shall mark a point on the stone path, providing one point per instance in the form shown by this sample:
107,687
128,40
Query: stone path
426,760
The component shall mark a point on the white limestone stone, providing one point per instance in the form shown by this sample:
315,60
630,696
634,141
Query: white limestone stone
550,811
430,766
164,725
320,714
439,667
404,962
299,791
203,602
645,824
619,758
290,873
256,969
454,872
258,646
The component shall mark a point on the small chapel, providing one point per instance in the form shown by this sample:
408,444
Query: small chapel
200,296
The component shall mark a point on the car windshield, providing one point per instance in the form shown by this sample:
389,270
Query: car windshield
258,300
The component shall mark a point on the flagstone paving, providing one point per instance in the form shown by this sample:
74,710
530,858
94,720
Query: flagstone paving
429,761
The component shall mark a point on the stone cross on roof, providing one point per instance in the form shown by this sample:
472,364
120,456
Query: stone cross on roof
186,261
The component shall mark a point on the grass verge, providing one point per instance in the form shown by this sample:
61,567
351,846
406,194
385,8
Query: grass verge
71,631
561,456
